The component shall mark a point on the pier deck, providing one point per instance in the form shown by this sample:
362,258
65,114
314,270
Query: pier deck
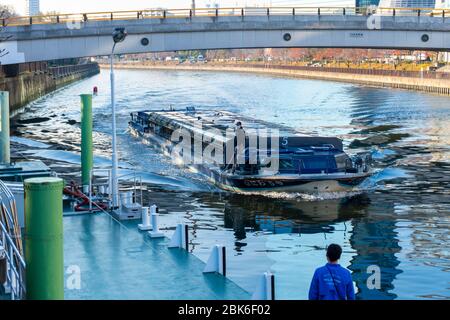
123,263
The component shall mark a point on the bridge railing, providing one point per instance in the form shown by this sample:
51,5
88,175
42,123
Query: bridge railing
219,12
376,72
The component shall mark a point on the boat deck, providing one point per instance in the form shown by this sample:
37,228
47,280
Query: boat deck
220,120
118,262
218,125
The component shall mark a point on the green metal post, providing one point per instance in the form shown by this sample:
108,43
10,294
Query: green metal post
86,140
4,128
44,238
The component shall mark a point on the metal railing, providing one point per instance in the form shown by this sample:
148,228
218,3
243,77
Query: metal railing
100,183
377,72
63,71
11,242
71,18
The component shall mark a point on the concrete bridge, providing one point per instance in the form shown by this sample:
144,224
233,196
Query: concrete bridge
83,35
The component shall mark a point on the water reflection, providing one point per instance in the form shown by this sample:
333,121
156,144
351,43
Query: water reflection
282,216
375,242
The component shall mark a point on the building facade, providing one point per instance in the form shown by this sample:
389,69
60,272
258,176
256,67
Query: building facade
408,3
32,7
366,3
443,4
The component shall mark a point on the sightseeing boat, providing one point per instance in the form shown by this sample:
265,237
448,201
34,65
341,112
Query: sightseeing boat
242,154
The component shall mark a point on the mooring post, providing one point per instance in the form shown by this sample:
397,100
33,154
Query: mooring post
87,161
154,213
146,218
266,287
217,261
180,238
44,238
5,156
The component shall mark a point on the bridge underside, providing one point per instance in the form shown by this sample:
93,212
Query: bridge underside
60,41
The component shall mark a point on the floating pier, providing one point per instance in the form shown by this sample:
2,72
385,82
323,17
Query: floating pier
123,263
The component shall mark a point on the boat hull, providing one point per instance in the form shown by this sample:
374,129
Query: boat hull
299,186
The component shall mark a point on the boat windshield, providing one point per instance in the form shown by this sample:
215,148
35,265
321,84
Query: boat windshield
317,164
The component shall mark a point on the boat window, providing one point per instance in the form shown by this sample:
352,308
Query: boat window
317,164
342,161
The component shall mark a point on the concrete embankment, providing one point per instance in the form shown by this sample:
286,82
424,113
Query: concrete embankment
29,86
427,82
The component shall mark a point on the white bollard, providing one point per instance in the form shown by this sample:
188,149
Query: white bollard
217,261
266,287
180,238
145,225
155,233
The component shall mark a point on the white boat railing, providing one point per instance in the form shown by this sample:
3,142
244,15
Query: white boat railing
100,183
11,245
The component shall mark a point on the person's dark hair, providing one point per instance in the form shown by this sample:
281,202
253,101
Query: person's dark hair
334,252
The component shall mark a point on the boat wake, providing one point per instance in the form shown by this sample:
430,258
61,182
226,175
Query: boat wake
305,196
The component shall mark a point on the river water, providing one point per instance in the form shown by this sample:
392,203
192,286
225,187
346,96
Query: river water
399,224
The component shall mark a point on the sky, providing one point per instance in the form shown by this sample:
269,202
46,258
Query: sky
80,6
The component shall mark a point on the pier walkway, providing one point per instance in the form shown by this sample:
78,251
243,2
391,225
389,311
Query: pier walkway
117,262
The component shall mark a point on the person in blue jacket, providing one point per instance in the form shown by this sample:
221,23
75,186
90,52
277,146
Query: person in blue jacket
332,282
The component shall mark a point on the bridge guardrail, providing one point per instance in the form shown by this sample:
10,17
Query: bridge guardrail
377,72
219,12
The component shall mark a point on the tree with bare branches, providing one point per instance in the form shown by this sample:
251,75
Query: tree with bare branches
6,12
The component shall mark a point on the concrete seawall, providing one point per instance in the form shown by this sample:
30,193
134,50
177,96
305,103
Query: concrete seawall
27,87
439,86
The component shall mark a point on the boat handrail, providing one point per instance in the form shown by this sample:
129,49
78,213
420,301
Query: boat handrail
133,176
15,280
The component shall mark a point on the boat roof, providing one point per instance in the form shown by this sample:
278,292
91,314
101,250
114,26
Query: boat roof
210,122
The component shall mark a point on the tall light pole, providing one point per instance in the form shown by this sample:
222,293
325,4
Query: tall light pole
118,35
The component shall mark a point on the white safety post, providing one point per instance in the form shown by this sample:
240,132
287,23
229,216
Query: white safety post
180,238
217,261
145,225
155,233
266,287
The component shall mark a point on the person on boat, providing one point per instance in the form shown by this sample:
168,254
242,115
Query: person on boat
332,282
239,142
